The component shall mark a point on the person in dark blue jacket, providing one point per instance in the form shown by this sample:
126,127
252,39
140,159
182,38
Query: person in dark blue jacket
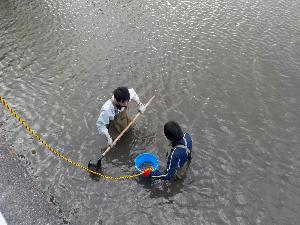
180,153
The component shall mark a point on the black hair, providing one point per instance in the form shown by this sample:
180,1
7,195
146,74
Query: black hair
121,94
173,131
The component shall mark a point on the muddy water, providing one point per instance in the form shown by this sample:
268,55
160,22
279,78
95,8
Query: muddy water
227,71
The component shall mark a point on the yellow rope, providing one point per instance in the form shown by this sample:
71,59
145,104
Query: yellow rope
33,133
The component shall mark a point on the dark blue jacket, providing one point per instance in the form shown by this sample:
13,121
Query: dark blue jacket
176,159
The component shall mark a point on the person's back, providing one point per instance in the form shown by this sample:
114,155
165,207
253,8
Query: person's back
179,155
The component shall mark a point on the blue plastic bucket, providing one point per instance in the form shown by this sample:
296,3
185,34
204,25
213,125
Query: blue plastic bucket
145,158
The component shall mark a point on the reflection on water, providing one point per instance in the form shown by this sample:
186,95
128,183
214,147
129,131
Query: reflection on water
228,71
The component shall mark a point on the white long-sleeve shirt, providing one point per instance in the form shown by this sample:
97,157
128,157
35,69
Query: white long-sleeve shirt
108,112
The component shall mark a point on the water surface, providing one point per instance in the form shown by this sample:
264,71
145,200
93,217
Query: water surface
227,71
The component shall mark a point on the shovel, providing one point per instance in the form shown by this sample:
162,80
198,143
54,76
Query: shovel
97,163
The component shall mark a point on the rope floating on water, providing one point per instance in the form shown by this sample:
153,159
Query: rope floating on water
64,158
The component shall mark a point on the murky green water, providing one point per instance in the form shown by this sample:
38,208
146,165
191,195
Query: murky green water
228,71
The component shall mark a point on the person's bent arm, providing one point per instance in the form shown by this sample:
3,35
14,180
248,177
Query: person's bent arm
102,122
172,166
134,96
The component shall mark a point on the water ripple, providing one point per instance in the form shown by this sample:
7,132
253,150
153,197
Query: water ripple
228,71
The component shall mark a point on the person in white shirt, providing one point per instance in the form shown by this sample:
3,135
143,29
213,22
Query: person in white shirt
113,116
